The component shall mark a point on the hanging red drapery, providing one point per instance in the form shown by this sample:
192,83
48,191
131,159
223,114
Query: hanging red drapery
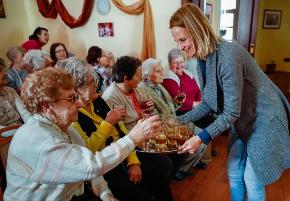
47,10
50,10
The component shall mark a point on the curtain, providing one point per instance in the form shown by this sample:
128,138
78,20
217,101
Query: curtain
47,10
50,10
148,44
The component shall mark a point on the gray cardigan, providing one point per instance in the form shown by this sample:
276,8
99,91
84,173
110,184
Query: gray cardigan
249,105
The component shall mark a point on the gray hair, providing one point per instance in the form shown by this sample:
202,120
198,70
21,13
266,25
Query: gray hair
13,51
36,59
174,54
147,66
108,53
77,68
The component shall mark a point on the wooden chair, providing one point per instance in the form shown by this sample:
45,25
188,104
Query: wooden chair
4,146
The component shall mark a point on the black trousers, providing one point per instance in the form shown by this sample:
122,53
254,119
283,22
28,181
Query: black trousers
154,186
122,188
157,174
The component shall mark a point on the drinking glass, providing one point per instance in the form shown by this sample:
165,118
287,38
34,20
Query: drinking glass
148,112
184,131
172,132
115,106
180,95
161,141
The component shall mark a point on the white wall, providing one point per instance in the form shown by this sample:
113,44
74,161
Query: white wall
128,28
13,28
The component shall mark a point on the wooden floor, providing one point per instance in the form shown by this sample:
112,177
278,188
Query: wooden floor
212,184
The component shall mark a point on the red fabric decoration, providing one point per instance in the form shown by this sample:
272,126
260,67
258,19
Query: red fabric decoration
56,6
47,10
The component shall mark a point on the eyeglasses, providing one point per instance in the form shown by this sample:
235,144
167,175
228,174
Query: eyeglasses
72,99
177,62
59,51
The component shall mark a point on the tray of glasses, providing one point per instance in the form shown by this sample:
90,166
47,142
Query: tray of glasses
163,144
157,150
171,137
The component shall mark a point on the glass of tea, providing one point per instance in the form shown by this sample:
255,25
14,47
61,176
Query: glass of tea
172,134
160,141
148,112
180,96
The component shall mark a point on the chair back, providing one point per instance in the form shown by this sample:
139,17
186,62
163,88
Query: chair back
4,146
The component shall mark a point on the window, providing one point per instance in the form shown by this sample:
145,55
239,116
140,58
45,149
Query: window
229,19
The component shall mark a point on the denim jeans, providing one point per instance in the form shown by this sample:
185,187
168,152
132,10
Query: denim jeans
242,177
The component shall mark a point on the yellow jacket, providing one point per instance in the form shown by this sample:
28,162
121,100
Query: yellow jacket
97,140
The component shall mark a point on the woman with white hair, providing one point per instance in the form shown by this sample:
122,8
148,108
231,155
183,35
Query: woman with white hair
35,60
152,77
178,80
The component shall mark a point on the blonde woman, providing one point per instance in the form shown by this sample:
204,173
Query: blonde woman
246,103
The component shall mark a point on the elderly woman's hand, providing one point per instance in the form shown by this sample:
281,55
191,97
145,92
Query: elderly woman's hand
135,173
115,115
145,129
190,145
150,102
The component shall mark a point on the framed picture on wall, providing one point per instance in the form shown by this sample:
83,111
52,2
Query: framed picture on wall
272,19
208,11
2,11
106,29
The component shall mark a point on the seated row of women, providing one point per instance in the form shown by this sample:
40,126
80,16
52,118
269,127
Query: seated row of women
99,125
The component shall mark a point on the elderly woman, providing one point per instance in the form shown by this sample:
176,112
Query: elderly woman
12,111
245,102
35,60
58,52
152,77
48,166
16,73
152,73
38,39
178,80
98,125
123,91
111,58
101,67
